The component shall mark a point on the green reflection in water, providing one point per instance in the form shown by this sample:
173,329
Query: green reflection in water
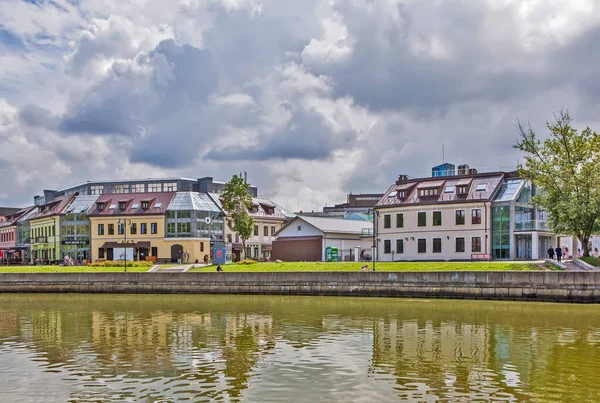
274,348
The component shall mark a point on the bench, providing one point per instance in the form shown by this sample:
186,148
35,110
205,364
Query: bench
481,256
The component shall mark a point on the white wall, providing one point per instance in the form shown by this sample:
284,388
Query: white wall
305,229
346,242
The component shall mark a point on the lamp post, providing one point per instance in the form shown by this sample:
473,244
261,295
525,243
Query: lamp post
124,222
375,215
54,219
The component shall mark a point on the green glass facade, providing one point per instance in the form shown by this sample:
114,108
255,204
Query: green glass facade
501,232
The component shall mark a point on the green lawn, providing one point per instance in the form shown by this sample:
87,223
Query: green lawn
594,261
380,266
67,269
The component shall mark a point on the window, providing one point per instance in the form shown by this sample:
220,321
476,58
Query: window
437,245
120,228
299,227
256,230
476,216
111,229
155,187
100,206
421,246
133,229
97,190
100,229
402,194
392,194
120,189
387,246
399,245
184,214
481,187
138,188
145,205
183,227
437,218
112,207
273,230
256,251
460,245
462,190
476,244
143,228
387,221
100,253
422,219
449,189
429,192
158,205
171,228
154,251
237,238
201,246
153,228
399,220
266,231
170,187
460,217
171,214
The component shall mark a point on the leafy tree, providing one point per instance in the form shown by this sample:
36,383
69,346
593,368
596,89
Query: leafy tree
236,202
566,166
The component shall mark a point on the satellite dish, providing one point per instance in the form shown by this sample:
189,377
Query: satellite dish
207,220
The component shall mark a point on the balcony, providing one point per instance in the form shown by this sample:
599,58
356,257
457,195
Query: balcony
41,239
532,225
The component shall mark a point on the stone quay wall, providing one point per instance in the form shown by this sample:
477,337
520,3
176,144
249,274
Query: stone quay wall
501,285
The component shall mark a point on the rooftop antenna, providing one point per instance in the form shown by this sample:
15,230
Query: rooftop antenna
443,154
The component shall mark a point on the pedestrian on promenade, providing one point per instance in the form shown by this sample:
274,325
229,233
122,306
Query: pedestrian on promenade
558,251
565,253
365,268
551,253
219,268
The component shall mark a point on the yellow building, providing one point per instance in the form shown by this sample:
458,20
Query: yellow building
45,230
133,226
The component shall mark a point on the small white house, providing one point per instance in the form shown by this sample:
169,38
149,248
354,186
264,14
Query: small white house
307,239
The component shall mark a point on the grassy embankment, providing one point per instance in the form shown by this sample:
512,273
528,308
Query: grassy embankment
594,261
380,266
68,269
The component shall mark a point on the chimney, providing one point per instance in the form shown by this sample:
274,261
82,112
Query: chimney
245,177
401,178
472,171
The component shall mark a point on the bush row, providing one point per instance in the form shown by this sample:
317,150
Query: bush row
120,263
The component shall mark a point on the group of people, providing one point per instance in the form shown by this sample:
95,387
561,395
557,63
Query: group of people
67,261
366,268
560,253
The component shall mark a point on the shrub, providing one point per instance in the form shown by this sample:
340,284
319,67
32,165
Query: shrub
120,263
247,261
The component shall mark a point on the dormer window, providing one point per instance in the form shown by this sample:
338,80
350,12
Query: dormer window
122,206
429,192
100,206
145,205
402,194
462,190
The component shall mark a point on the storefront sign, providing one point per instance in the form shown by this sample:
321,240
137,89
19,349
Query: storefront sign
75,242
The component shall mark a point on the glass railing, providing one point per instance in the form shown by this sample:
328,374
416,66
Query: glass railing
532,225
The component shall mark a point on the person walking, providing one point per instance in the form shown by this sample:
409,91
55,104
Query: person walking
558,251
551,253
219,268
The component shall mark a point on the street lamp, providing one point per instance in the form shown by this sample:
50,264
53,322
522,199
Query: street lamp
123,224
375,215
54,219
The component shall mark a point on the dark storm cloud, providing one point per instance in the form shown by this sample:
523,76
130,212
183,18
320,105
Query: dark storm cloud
306,137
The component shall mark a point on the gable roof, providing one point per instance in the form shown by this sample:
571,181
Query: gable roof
158,203
489,182
14,218
53,207
260,203
336,225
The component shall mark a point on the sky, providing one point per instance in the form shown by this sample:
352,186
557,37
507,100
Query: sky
314,99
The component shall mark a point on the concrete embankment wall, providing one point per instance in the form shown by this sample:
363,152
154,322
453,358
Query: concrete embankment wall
522,285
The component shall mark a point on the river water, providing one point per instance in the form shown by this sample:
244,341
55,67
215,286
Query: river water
164,348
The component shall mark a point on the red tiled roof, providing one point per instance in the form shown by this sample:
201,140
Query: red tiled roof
14,218
162,199
492,180
53,207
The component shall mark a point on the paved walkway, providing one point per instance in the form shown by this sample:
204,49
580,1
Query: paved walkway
178,269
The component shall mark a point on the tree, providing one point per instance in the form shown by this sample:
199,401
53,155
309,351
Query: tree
566,168
236,202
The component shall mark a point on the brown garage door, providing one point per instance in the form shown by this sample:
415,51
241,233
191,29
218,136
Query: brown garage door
298,249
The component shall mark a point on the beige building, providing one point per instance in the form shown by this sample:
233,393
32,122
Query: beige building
269,218
437,218
133,226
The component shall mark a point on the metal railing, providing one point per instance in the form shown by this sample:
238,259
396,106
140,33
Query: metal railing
532,225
